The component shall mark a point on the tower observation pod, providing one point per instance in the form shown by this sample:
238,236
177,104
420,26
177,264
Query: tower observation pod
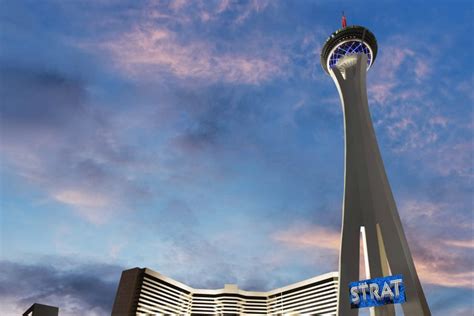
368,204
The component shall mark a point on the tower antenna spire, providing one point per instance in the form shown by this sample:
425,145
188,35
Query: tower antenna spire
344,21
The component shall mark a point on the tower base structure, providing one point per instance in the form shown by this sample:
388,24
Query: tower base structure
369,206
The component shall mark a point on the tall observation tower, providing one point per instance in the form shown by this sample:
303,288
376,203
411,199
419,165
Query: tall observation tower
369,207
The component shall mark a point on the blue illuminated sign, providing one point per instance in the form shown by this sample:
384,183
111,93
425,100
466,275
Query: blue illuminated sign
377,292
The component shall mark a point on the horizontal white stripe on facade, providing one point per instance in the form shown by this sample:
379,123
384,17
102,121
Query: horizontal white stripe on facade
159,292
152,301
313,299
302,292
160,307
166,287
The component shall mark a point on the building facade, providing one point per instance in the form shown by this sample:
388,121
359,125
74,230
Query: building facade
146,292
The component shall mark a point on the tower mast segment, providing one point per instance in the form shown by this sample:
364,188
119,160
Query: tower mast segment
368,204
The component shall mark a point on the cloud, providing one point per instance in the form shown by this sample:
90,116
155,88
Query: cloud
443,264
76,288
93,206
409,109
165,41
176,5
465,87
439,261
315,238
309,237
251,7
403,103
207,11
56,97
422,69
381,92
440,256
436,214
452,159
79,198
460,243
55,140
150,51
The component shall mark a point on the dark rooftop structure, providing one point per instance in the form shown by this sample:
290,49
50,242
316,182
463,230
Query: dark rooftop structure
41,310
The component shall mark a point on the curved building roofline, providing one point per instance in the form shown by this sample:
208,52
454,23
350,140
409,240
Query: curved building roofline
237,290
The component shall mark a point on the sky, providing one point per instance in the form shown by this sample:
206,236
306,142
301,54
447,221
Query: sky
203,140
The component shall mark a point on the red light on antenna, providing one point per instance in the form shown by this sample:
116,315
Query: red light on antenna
344,21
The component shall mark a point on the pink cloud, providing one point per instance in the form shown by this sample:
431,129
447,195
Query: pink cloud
381,92
177,4
81,198
444,263
398,127
430,274
254,6
392,62
439,262
394,59
302,237
223,6
452,159
148,51
410,129
460,243
465,87
422,69
92,206
38,166
439,120
210,10
405,111
403,107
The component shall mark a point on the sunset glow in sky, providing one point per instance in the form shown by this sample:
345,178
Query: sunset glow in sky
203,140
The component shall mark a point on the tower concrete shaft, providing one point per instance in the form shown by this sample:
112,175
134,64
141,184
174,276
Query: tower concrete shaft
368,200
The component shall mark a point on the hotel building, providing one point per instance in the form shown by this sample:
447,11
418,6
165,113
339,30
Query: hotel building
146,292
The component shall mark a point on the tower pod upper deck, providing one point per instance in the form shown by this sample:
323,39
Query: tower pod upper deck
349,40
